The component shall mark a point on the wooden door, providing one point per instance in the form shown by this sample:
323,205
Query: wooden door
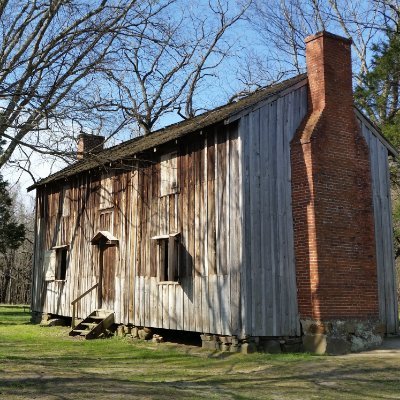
107,261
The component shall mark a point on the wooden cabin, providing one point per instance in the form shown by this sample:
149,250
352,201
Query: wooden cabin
195,227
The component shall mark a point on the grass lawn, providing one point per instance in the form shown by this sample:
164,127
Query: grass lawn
45,363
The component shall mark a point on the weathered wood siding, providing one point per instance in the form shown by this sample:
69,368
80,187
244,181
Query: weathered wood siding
269,300
383,228
76,229
205,210
231,204
221,221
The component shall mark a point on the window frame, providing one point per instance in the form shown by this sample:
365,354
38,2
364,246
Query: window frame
168,258
61,264
56,263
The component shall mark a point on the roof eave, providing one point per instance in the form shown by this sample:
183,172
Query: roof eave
180,129
377,132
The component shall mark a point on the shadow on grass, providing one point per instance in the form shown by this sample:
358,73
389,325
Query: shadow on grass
89,385
23,306
203,386
14,315
63,368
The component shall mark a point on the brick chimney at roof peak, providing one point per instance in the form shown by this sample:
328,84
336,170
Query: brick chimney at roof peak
329,72
88,144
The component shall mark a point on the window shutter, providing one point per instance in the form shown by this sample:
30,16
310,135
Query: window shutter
169,174
172,258
49,265
106,192
65,201
173,176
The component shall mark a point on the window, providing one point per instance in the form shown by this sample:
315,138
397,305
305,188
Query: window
168,257
56,263
106,220
169,174
61,264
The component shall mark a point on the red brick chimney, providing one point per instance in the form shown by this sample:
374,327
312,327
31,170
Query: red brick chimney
332,196
89,144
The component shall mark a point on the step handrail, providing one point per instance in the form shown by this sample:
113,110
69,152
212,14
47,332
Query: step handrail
73,303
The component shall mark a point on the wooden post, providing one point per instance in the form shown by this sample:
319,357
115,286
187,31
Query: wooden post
73,303
73,315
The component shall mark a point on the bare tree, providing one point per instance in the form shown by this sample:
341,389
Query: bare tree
50,53
162,68
68,66
284,24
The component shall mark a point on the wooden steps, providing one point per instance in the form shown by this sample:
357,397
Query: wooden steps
95,325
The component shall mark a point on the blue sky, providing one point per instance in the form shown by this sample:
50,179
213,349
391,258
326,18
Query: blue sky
253,52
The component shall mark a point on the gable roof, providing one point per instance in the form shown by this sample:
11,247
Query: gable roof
227,113
171,132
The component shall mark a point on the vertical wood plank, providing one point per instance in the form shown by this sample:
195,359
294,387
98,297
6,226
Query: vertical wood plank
265,242
235,240
165,307
211,226
172,311
246,292
255,226
221,199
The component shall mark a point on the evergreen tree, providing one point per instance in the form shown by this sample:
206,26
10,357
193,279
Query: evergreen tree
12,235
378,96
379,93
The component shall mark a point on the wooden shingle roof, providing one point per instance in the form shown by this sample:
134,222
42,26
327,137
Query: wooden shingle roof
171,132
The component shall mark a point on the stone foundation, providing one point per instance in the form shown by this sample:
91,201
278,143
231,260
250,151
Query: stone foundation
136,332
328,337
341,336
251,344
319,337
